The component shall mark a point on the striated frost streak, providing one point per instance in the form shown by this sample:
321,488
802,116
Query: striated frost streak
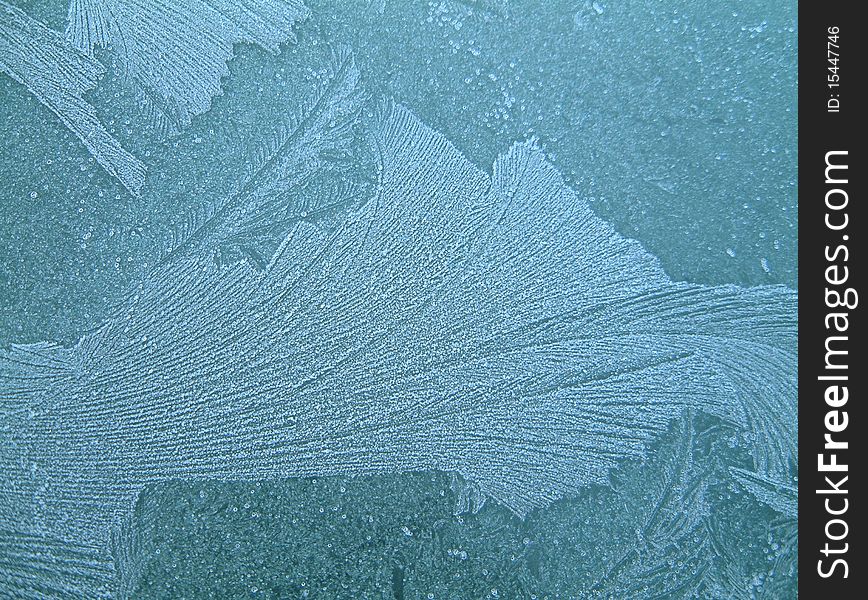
58,76
488,325
304,172
670,512
780,495
176,52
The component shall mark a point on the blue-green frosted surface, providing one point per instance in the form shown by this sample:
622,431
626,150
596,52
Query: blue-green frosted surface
522,402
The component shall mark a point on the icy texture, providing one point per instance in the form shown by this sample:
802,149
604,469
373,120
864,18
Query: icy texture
671,531
669,526
58,76
676,119
781,496
340,291
110,240
304,173
177,51
486,325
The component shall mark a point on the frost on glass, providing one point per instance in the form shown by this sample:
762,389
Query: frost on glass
506,397
59,76
650,109
485,325
308,170
176,52
779,495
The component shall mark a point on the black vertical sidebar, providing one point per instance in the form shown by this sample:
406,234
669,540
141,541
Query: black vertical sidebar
832,368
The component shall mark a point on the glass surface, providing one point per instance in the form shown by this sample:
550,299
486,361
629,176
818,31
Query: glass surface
398,300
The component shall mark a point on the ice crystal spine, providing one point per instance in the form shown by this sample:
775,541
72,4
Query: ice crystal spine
59,76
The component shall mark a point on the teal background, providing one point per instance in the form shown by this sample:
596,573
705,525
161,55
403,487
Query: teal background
677,120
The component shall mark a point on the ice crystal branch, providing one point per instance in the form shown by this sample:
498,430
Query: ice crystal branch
59,76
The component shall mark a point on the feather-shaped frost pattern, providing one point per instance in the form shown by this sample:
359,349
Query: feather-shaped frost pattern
59,76
305,172
487,325
673,555
177,51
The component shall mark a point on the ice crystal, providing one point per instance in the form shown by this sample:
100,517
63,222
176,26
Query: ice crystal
177,51
58,76
486,325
